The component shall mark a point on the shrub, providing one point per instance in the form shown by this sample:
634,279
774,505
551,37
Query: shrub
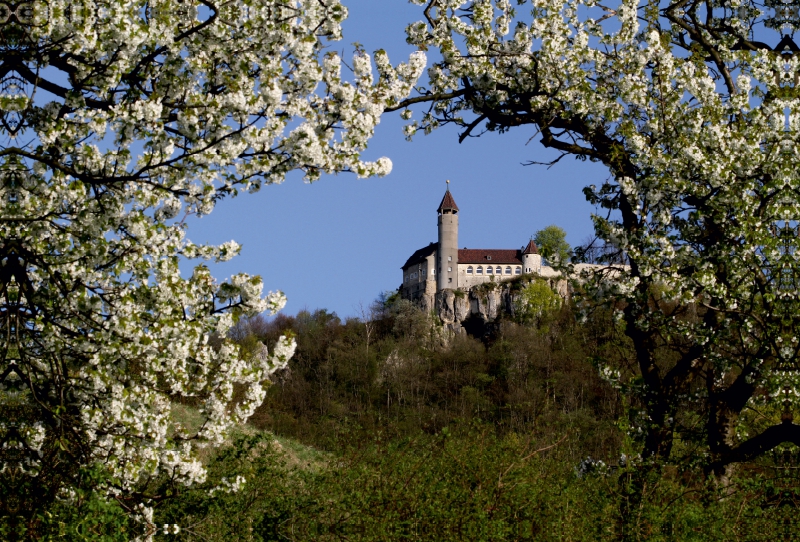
535,302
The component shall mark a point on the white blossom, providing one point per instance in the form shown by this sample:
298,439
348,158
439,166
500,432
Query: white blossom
164,109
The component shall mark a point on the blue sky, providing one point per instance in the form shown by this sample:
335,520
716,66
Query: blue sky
341,241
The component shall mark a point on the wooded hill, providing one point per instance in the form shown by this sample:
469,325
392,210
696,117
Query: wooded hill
397,372
385,428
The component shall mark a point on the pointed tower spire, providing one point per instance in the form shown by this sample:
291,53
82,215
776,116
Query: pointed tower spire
448,203
531,259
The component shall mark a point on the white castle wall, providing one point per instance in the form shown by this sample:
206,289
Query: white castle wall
466,281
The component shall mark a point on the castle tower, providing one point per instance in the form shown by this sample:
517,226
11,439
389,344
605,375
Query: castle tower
531,260
447,265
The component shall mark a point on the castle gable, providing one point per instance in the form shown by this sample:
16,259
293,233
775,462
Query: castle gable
420,255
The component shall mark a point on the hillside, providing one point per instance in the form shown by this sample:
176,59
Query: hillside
409,432
389,427
403,371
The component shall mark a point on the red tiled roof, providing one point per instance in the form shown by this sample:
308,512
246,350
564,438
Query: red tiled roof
498,255
531,248
447,202
420,255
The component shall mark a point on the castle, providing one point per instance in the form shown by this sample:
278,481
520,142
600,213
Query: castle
444,266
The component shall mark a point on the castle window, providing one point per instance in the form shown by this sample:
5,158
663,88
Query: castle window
479,270
449,258
433,271
518,270
469,270
488,257
508,270
489,270
499,270
449,269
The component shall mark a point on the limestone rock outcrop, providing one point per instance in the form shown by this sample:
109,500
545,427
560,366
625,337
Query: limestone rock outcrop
479,306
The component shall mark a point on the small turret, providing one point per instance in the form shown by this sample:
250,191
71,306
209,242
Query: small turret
531,260
447,265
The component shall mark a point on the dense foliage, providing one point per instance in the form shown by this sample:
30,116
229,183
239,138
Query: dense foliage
412,377
466,484
511,436
552,244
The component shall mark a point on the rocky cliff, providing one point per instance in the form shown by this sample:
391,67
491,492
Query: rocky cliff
475,309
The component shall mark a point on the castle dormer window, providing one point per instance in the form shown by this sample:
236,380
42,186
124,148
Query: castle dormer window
488,257
479,271
469,270
508,270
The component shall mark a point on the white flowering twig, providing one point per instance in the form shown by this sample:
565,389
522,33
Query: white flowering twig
152,110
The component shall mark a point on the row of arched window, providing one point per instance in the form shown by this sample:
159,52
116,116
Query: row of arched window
493,270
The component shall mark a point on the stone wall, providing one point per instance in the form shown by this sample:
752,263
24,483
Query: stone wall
422,287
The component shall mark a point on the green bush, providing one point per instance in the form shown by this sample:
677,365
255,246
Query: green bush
271,495
535,302
84,516
468,483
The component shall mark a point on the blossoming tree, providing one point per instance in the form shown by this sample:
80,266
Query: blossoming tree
118,118
693,107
